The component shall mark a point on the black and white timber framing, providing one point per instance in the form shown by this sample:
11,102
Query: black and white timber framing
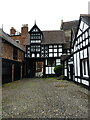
77,64
43,52
82,51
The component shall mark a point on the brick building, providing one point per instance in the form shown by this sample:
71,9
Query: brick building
12,55
19,37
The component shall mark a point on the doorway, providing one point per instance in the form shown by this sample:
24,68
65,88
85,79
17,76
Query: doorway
39,68
71,71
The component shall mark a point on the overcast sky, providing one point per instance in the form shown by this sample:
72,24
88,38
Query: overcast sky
47,13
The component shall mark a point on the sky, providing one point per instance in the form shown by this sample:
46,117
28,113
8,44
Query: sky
47,13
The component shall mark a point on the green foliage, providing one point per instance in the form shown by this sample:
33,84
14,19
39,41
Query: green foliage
58,70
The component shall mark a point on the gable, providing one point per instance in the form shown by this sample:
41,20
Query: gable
82,27
35,29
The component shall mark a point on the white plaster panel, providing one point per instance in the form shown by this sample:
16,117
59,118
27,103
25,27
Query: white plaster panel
85,82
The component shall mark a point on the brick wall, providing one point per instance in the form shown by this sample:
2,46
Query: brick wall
20,56
22,39
7,52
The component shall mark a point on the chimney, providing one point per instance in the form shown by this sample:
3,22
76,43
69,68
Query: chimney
61,27
12,31
24,29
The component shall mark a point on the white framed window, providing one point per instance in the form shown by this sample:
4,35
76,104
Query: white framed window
38,55
59,46
60,49
50,46
55,46
84,68
33,55
57,61
55,54
50,54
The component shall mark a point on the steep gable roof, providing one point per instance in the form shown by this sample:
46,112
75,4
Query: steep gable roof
86,18
35,27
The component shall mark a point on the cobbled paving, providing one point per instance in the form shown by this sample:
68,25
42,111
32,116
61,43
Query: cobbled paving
44,98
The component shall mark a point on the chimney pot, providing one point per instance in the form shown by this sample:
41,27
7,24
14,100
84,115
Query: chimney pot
24,29
12,30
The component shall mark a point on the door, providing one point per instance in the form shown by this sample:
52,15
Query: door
39,69
17,71
6,72
71,71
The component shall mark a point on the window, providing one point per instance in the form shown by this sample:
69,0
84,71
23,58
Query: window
18,41
28,48
60,49
50,54
84,68
32,48
15,53
38,55
35,36
38,48
33,55
50,46
35,48
57,61
51,62
55,46
55,54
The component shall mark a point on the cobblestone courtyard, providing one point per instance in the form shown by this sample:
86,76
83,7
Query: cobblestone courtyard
44,98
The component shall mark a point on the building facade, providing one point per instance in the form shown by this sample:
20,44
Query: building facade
82,51
77,64
43,52
70,29
12,55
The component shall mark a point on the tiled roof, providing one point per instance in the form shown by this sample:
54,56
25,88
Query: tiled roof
4,36
86,18
50,37
53,37
69,25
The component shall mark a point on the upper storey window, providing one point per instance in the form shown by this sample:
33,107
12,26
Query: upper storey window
35,30
35,36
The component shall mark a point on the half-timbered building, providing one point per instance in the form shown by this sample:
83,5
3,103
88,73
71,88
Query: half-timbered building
81,51
43,51
70,29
